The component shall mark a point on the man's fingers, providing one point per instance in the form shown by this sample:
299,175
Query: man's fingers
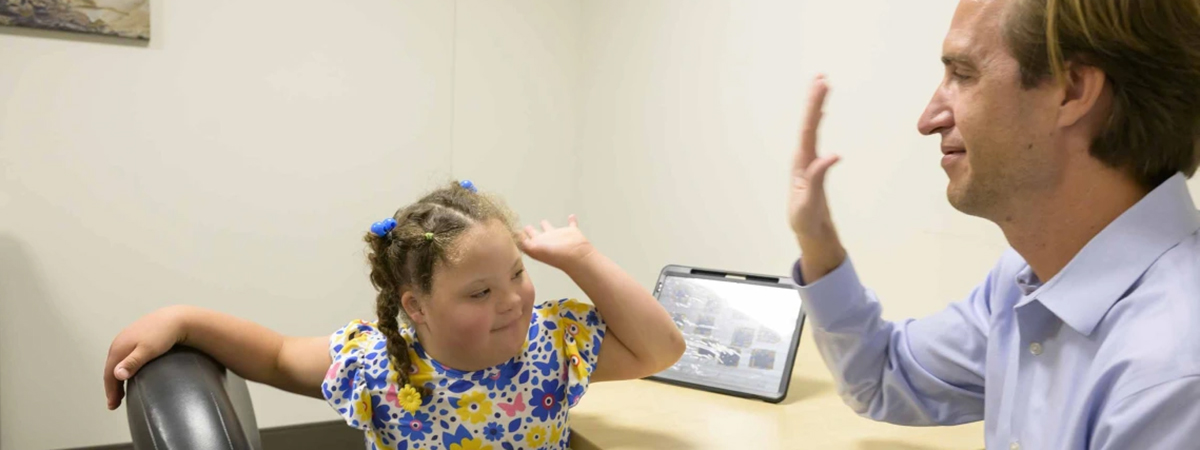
806,153
816,173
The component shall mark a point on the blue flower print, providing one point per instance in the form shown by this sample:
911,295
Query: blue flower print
593,319
347,381
493,432
546,401
501,378
414,427
575,392
380,413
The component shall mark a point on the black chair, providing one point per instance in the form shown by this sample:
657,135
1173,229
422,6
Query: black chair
186,400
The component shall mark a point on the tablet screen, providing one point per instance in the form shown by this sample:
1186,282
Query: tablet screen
739,333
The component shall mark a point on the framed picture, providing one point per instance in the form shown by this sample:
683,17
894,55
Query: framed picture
120,18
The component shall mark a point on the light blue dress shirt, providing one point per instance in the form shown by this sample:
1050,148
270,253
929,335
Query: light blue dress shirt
1105,355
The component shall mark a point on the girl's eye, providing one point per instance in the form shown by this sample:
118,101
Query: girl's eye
481,294
519,273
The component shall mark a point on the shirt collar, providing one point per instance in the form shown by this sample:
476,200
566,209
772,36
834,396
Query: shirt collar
1101,273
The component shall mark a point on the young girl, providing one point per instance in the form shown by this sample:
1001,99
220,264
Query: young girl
460,357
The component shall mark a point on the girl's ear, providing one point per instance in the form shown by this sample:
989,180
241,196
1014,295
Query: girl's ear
412,306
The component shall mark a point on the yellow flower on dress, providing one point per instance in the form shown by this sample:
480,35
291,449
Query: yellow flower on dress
358,339
409,399
536,437
474,407
420,372
471,444
556,335
555,434
580,309
362,408
373,436
550,311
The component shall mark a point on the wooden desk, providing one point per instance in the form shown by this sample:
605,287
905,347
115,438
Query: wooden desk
643,414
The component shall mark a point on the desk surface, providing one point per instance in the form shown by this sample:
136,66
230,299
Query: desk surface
643,414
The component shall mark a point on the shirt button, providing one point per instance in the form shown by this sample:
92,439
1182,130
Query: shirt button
1015,446
1036,349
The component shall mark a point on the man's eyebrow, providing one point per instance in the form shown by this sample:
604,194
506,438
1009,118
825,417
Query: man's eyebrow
957,58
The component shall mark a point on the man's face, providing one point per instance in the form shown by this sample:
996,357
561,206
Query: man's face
997,137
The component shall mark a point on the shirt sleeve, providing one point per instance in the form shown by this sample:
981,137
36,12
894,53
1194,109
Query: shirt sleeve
359,361
913,372
582,331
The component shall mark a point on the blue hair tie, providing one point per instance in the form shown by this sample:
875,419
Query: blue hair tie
468,185
383,227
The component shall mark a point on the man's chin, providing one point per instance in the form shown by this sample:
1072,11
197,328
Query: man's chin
968,202
957,202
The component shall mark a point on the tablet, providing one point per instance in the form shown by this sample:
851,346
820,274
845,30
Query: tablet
741,330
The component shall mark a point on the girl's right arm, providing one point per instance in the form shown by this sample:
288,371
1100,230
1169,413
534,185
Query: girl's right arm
254,352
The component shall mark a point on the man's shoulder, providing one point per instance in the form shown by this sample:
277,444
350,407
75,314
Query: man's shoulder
1152,334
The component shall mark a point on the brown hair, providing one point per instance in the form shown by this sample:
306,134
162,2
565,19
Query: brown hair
404,258
1150,52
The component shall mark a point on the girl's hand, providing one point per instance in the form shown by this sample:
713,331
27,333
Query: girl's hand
558,247
144,340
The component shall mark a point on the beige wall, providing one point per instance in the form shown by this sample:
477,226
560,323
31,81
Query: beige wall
516,112
691,111
235,162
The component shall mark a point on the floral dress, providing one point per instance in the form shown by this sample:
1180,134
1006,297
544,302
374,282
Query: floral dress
521,404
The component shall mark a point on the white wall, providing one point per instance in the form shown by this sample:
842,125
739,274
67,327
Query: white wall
235,163
516,112
691,113
691,116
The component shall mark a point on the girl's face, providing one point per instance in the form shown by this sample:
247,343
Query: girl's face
478,313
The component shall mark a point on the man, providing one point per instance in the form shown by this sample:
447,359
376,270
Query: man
1071,124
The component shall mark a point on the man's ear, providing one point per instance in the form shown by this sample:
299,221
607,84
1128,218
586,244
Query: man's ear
1087,95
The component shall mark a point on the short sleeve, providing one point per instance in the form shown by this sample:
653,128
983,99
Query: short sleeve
582,331
360,364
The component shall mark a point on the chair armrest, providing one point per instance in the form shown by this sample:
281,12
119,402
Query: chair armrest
186,400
